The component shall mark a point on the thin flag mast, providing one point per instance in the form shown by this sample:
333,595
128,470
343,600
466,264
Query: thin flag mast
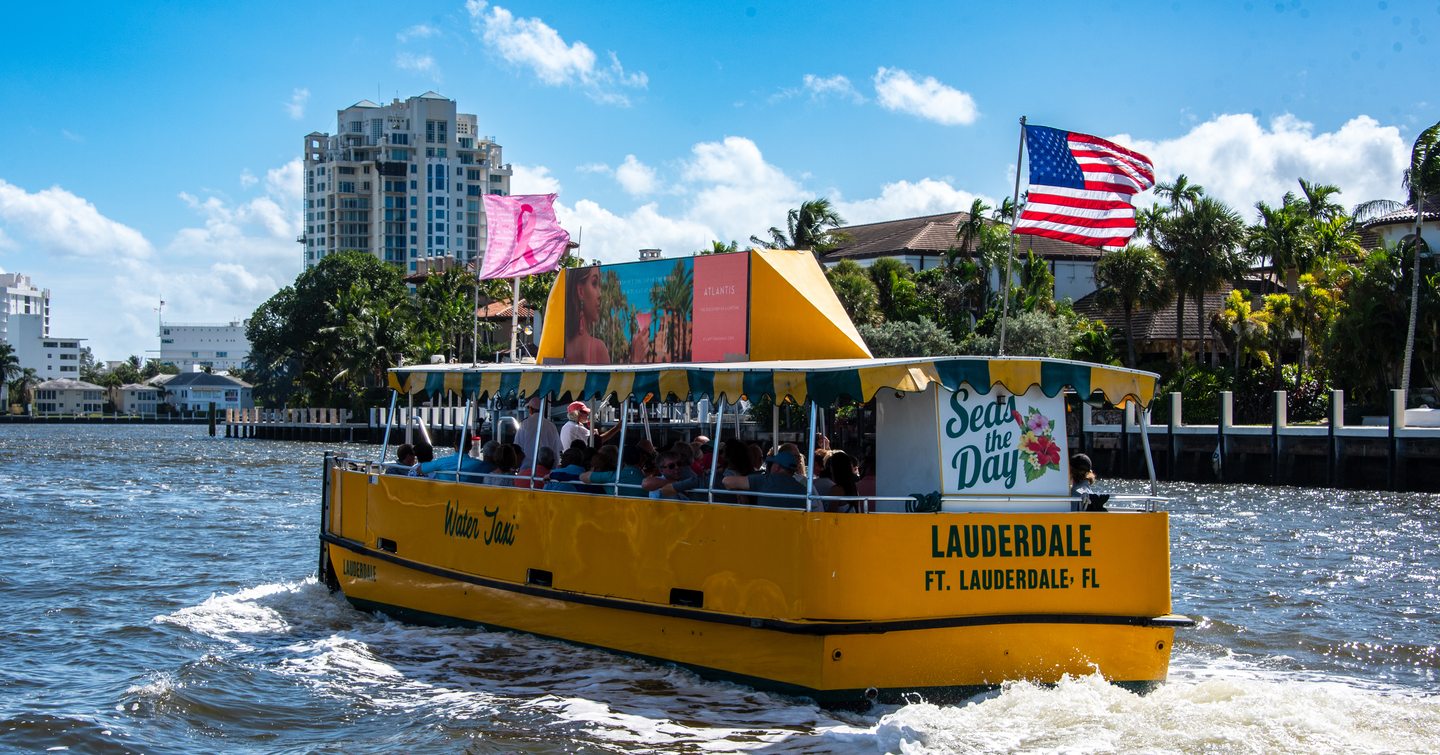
1010,258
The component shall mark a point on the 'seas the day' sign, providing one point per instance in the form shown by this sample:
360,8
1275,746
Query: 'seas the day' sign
1002,444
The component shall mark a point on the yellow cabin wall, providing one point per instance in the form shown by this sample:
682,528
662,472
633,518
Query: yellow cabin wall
753,561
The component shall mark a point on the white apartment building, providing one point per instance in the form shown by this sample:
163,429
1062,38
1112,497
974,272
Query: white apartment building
19,297
51,357
219,346
402,181
69,396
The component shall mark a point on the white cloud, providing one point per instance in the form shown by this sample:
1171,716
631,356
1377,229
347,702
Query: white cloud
736,190
418,31
818,88
609,237
413,63
727,191
247,179
1241,162
296,106
636,177
533,180
904,199
72,136
593,168
927,98
531,43
839,86
55,221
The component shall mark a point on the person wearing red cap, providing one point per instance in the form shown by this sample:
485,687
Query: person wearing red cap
579,428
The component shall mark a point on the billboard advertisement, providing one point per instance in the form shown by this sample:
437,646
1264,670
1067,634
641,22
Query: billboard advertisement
657,311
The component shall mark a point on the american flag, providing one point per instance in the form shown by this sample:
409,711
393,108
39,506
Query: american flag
1080,188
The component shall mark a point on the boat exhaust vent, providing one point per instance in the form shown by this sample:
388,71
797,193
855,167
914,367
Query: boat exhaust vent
687,598
539,577
385,544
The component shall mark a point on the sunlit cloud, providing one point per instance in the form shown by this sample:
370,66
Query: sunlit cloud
296,106
532,44
926,98
1241,161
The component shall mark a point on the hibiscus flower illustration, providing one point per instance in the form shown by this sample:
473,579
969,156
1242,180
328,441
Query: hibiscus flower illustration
1038,423
1046,452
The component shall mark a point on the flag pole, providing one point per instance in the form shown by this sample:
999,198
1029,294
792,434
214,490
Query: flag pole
514,317
1010,258
475,323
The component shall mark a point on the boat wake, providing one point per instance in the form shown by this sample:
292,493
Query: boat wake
519,692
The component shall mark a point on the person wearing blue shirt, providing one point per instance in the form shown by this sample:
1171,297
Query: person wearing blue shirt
444,467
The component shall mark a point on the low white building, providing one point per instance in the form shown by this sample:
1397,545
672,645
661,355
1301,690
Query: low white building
68,396
52,358
196,391
135,398
219,346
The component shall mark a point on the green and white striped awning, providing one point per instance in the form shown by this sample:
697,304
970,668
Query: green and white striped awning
827,381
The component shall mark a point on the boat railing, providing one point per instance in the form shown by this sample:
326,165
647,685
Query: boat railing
812,502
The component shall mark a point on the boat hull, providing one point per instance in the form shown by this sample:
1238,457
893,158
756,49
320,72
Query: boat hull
839,607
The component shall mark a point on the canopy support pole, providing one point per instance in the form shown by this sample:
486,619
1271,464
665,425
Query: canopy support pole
1149,460
389,420
810,462
620,457
460,442
410,418
775,424
715,448
535,452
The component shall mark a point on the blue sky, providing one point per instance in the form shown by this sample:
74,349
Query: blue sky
152,150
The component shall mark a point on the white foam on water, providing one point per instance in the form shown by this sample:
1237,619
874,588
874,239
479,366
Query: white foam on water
603,722
1226,711
228,617
348,667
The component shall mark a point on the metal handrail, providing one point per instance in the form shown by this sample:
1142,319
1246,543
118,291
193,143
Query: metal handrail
1150,501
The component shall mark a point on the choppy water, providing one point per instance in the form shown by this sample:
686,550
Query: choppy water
156,595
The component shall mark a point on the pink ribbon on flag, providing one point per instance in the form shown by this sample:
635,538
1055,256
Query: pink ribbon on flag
522,236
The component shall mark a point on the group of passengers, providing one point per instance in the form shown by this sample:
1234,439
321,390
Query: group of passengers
578,458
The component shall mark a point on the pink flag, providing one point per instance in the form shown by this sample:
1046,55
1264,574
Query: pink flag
523,236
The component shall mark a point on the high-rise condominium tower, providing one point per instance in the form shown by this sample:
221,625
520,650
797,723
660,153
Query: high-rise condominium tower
402,181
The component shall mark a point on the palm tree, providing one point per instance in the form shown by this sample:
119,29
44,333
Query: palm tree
1180,193
1130,278
1246,328
720,247
967,232
1200,243
1280,237
1317,200
9,365
25,384
810,226
1420,180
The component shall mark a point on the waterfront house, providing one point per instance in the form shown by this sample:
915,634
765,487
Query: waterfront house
68,396
196,391
922,242
135,398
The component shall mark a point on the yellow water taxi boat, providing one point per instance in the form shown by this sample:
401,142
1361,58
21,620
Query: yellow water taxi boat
966,567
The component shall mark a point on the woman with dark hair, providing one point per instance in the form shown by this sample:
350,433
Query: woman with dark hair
582,312
844,474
